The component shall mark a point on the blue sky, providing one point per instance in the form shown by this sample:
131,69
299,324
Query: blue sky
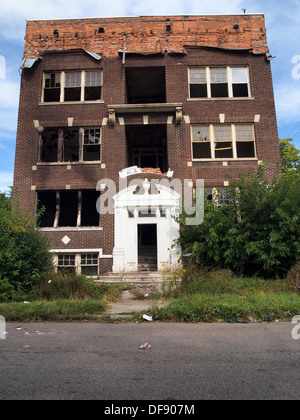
283,31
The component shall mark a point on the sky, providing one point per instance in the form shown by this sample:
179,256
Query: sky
283,32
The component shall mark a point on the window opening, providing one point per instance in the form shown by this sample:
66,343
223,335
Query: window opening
201,142
66,263
49,145
68,212
146,85
71,146
240,85
245,141
91,146
47,202
219,84
93,84
89,212
89,264
198,83
52,87
223,141
72,86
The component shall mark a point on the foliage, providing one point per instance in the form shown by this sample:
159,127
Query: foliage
24,253
258,234
290,157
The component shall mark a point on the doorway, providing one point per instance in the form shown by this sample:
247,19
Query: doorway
147,247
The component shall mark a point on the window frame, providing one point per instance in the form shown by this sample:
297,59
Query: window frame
63,86
234,142
209,82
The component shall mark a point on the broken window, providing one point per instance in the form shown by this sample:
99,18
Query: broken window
89,264
89,212
240,85
91,144
245,141
146,85
224,196
49,145
223,141
46,204
52,87
219,84
72,86
71,146
198,83
93,85
201,142
66,263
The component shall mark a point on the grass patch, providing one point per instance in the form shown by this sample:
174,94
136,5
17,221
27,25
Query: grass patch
57,310
205,307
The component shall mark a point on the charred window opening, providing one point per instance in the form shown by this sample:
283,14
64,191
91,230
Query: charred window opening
146,85
49,145
71,146
91,146
89,212
93,85
52,87
68,211
147,146
46,204
72,86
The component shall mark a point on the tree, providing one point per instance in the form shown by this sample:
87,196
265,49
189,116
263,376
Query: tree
259,234
290,156
24,253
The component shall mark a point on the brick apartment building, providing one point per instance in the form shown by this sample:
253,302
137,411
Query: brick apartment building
108,103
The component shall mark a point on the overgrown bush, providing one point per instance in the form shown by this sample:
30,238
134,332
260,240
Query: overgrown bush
24,253
258,235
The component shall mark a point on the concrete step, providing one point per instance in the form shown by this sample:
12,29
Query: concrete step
148,277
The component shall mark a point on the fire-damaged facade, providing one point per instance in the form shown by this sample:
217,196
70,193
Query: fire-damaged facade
114,112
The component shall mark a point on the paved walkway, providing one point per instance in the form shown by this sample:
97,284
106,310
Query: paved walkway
129,304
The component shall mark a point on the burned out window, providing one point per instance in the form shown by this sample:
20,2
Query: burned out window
245,141
72,86
71,146
89,264
46,207
223,141
93,85
201,142
49,145
91,144
52,83
89,212
68,208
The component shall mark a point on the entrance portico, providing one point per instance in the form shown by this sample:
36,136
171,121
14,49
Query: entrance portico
144,221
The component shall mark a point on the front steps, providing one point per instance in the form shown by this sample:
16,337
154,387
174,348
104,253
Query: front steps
139,278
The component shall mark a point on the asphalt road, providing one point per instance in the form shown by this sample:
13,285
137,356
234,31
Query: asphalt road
95,361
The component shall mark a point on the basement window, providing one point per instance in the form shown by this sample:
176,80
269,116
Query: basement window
89,264
52,87
49,145
66,263
91,145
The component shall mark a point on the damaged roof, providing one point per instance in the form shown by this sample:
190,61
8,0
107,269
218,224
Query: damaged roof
151,34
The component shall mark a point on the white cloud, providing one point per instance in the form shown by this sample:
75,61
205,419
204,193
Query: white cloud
6,180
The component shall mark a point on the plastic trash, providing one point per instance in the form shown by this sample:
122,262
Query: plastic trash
147,318
268,319
235,321
145,346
